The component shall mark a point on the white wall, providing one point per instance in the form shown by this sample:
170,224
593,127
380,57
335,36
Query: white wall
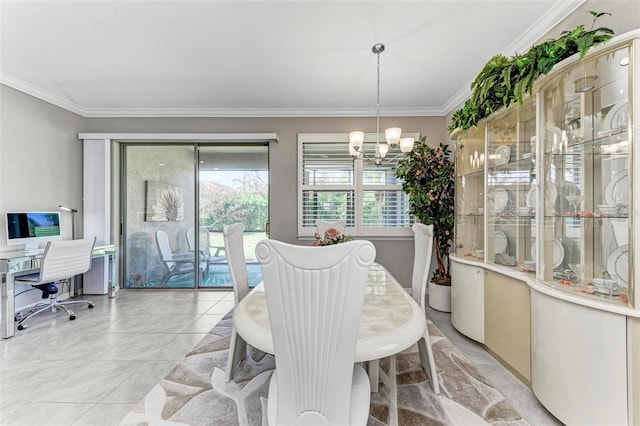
40,163
40,158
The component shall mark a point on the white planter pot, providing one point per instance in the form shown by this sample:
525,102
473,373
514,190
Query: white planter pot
440,297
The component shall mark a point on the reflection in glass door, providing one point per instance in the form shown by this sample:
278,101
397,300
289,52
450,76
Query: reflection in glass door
159,212
233,187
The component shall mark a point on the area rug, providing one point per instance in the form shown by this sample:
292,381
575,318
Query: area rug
195,392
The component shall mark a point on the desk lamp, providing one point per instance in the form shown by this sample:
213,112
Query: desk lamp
73,219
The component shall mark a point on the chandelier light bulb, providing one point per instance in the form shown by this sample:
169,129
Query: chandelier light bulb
356,139
406,144
382,150
392,135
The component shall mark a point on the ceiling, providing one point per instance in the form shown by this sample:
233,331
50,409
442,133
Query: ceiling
261,58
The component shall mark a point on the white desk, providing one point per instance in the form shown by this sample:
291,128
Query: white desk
391,322
16,263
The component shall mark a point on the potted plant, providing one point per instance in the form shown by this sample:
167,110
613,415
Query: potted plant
428,179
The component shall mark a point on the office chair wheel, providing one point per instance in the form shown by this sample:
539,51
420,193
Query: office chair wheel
91,305
72,317
21,327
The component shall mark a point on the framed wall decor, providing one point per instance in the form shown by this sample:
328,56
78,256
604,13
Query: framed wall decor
164,202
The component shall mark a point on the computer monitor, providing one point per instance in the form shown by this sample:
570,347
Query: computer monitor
32,228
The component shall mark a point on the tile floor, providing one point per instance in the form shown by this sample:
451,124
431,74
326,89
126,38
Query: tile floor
95,369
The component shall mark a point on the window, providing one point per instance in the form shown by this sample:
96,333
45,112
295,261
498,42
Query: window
332,186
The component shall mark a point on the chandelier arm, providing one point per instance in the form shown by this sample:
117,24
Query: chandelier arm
373,160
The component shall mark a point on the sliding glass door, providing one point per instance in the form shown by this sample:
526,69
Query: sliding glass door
234,187
177,198
159,211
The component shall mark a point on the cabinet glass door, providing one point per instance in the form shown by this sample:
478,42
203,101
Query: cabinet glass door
511,150
469,208
586,187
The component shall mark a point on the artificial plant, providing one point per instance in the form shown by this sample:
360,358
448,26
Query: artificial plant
428,179
504,81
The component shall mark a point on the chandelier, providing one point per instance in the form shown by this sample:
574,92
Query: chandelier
393,135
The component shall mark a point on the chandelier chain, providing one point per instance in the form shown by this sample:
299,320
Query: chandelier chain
378,102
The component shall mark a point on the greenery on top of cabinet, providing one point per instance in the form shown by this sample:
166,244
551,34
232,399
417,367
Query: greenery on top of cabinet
504,81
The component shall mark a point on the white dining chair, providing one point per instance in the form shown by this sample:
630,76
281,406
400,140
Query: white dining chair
323,225
315,297
423,247
234,248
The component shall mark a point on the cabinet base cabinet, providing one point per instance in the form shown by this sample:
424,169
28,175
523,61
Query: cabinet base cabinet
579,361
467,300
508,321
633,334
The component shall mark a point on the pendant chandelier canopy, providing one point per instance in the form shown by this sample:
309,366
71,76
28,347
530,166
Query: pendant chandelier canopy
393,135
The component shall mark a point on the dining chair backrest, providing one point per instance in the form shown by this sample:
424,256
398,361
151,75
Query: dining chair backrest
64,259
234,249
323,225
162,239
314,297
423,245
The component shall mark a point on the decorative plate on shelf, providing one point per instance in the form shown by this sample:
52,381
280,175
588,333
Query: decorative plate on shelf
617,189
501,242
618,264
558,252
503,153
500,199
616,117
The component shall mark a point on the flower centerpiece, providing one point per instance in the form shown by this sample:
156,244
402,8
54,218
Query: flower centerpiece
331,236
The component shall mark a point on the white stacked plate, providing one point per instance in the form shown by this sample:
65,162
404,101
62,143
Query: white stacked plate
529,264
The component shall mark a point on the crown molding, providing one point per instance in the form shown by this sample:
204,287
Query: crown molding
39,93
58,101
258,112
547,22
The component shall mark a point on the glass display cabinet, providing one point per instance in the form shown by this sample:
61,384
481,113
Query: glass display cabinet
470,195
583,200
555,294
585,112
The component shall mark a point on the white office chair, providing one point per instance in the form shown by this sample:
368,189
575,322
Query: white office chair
234,247
176,264
61,261
423,243
323,225
315,297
